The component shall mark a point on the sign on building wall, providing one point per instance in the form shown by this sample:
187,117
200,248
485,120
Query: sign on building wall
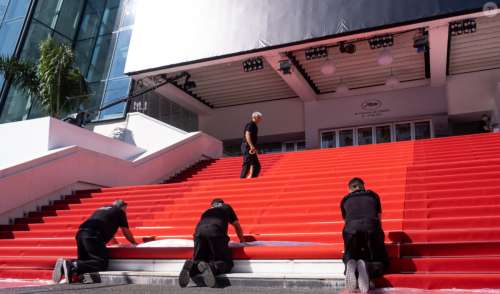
372,108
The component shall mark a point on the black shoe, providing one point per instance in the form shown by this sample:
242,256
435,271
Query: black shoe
184,276
68,270
363,278
207,274
58,270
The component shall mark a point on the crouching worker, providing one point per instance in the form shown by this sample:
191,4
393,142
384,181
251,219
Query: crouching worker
91,240
365,256
211,255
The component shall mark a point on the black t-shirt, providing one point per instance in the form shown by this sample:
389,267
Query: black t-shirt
216,219
361,205
254,130
106,220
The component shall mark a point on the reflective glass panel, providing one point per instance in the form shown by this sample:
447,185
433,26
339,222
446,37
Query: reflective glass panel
17,8
15,106
115,90
69,16
383,134
9,34
403,132
3,8
328,140
365,136
301,145
36,34
100,59
422,130
346,138
120,56
46,12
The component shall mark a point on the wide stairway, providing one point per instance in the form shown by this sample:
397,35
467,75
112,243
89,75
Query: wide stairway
440,201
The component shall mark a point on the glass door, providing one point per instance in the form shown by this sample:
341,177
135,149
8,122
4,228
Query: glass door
383,134
365,136
346,138
403,132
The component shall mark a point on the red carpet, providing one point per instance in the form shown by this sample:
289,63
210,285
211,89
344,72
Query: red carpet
440,198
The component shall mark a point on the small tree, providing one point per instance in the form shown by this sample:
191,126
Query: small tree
54,82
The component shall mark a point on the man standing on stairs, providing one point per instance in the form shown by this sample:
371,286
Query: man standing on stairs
251,164
365,255
211,255
91,240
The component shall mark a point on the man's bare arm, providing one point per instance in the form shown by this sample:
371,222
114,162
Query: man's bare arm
239,231
128,235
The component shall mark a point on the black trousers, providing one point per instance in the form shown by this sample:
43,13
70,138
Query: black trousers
214,250
368,245
248,161
92,252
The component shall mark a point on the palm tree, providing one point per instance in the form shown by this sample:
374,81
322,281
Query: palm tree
54,82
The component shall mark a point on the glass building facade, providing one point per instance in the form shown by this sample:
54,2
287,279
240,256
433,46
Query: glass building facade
99,32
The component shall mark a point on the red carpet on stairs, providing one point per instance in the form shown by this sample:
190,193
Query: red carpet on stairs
440,198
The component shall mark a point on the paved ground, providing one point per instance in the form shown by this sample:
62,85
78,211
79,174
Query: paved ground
126,289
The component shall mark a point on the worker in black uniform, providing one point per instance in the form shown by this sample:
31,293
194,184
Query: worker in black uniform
364,250
211,255
91,240
251,164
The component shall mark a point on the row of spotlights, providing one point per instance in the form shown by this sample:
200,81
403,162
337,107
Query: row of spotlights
381,41
316,52
466,26
253,64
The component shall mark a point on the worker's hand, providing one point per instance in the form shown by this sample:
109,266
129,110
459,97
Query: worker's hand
253,150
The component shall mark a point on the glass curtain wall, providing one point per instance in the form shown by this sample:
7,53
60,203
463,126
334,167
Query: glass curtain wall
12,17
99,32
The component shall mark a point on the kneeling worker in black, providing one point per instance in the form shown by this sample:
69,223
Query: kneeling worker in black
251,164
91,240
364,250
211,255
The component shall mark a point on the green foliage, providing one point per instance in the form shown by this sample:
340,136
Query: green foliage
52,81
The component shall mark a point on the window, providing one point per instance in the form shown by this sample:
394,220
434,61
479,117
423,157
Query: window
115,90
383,134
3,8
120,56
294,146
100,59
346,138
328,140
9,34
400,131
422,130
17,9
403,132
365,136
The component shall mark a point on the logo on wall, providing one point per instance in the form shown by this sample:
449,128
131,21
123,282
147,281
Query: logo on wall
371,108
370,105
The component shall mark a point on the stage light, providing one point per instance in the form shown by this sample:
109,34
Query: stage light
253,64
466,26
349,48
385,57
328,68
285,66
316,52
381,41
